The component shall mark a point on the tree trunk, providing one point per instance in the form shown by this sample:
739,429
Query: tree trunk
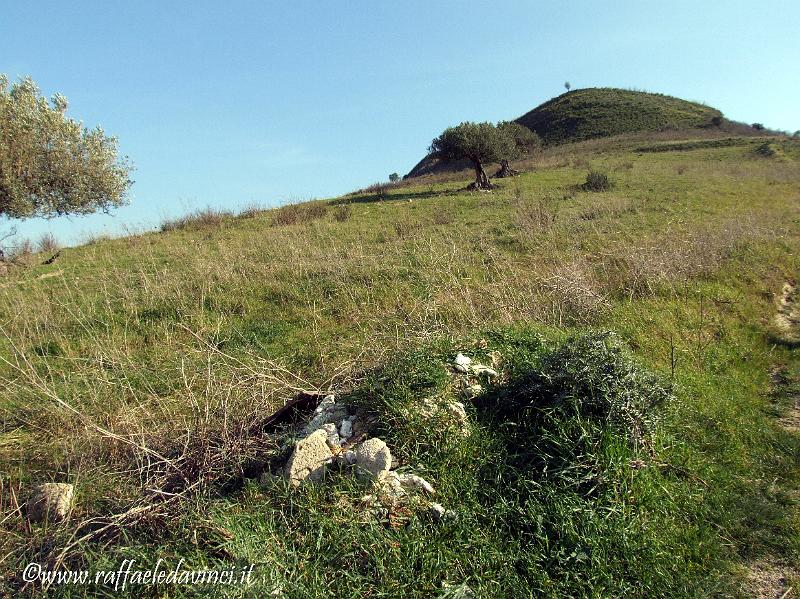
481,180
505,170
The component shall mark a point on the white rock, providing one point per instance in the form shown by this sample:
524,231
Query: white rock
471,391
462,362
333,435
480,369
327,402
437,510
309,458
350,456
417,483
346,429
51,501
373,458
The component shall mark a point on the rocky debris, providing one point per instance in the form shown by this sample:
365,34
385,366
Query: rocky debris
472,391
309,459
453,411
462,363
373,458
465,365
415,482
346,428
333,435
328,411
51,502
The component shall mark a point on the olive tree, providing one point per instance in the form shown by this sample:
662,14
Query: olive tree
50,164
525,142
480,143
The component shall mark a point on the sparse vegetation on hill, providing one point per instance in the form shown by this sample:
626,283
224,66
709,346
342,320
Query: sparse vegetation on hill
659,460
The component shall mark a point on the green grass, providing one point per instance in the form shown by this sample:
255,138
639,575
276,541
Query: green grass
180,343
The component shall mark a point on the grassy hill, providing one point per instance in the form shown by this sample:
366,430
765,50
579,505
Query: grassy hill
601,112
591,113
143,370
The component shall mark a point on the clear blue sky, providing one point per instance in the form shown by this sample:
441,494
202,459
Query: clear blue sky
226,104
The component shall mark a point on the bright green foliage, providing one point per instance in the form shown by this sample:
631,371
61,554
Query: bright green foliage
50,164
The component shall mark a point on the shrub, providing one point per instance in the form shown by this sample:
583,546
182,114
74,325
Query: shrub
298,214
48,243
207,218
766,150
342,213
758,126
561,415
597,181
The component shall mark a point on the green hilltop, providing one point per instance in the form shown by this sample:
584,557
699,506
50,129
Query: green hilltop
601,112
592,113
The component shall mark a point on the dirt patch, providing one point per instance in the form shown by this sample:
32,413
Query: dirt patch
769,580
787,320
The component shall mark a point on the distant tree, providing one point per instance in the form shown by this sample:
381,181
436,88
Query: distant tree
796,134
525,142
480,143
394,177
567,85
757,126
716,121
49,164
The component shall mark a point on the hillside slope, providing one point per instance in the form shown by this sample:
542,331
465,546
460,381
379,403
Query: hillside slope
144,370
597,112
601,112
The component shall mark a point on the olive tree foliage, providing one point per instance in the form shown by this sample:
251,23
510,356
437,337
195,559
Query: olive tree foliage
478,142
50,164
483,143
525,142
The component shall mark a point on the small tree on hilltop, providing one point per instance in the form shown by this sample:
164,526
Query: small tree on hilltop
567,85
394,177
49,164
480,143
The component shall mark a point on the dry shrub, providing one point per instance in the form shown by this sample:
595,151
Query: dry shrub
342,213
640,270
207,218
535,217
48,243
251,211
443,217
575,293
294,214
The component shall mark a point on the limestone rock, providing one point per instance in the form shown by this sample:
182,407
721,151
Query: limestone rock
333,435
346,429
414,482
462,363
51,501
309,458
373,458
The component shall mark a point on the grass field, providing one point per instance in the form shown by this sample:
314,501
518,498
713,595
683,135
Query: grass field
141,368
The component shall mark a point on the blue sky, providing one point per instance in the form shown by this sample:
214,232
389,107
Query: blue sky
229,104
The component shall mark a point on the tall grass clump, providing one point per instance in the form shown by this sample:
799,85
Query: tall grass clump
206,218
298,214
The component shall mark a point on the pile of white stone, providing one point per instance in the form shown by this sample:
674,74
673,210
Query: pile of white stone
334,436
